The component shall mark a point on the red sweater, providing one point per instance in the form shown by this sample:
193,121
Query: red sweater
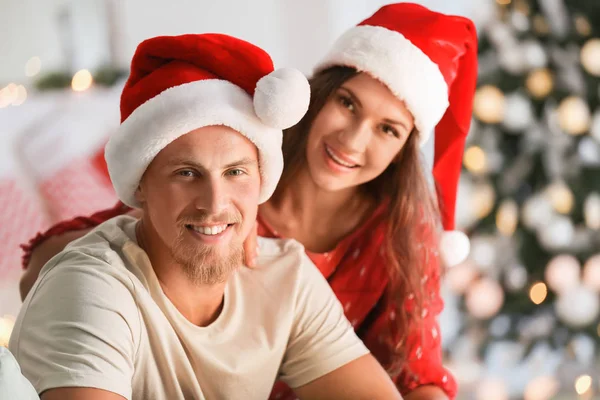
356,272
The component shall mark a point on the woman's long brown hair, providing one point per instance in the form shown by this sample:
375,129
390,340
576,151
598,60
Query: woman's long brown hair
412,215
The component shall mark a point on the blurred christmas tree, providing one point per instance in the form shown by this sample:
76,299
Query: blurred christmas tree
531,184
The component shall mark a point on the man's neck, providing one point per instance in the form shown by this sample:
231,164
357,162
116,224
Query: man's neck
198,303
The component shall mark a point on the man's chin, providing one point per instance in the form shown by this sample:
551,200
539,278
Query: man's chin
209,266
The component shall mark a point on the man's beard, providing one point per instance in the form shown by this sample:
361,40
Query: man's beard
205,264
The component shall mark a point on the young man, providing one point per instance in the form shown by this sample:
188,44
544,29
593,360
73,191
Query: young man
159,309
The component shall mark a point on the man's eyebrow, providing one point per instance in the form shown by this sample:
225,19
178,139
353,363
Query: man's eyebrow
243,162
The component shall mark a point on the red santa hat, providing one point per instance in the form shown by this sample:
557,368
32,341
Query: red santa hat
429,61
181,83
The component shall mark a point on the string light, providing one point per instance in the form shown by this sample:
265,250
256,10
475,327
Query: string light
591,211
574,115
507,217
20,96
562,273
484,199
540,25
540,82
590,56
82,80
488,104
475,160
538,293
8,95
33,66
583,384
541,388
582,25
561,197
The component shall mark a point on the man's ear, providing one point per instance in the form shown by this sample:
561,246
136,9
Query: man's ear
139,194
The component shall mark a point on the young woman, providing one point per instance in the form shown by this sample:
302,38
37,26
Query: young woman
354,192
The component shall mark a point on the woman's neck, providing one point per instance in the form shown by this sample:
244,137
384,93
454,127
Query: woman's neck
315,217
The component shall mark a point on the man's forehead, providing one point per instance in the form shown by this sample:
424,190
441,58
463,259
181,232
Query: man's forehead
211,143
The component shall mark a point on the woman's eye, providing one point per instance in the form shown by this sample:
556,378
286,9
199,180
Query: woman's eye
387,129
346,103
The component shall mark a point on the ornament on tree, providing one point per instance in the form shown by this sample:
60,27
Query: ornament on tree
563,273
461,276
540,25
589,152
483,251
591,211
574,115
539,326
578,307
512,59
590,56
475,160
543,387
582,26
484,198
519,21
488,104
537,212
540,83
500,326
535,55
558,234
492,389
591,273
556,13
583,348
484,298
515,278
507,217
518,112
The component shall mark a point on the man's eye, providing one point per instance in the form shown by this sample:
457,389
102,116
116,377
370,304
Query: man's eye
187,173
235,172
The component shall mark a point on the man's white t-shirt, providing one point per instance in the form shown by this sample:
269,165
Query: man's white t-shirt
97,317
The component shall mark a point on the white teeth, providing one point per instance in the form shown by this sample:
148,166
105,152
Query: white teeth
336,159
210,230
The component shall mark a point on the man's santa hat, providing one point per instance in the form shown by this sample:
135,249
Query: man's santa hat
181,83
429,61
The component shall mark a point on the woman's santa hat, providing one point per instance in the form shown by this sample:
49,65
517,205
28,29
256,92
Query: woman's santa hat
429,61
181,83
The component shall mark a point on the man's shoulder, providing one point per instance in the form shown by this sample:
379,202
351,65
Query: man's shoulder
98,254
268,247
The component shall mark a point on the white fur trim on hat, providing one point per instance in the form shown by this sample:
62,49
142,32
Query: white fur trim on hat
403,67
281,98
180,110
